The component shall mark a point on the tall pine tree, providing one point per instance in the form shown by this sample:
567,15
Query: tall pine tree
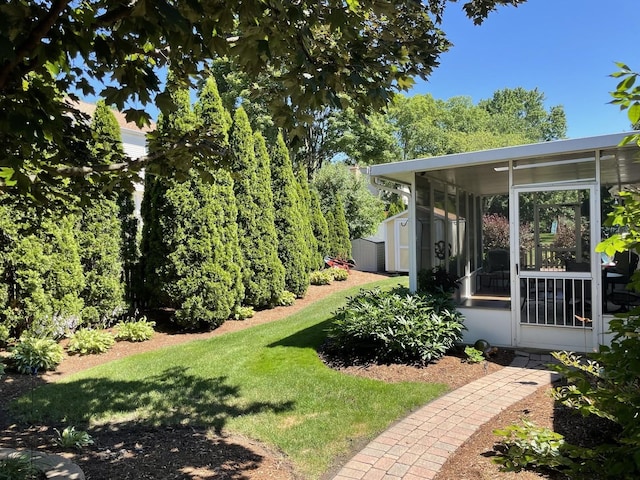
100,234
263,271
190,235
315,260
292,246
341,245
319,225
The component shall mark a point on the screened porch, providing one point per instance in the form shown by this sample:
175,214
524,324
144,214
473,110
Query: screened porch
519,227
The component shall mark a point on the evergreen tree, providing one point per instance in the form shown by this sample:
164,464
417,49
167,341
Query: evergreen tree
292,247
319,225
264,273
192,260
315,259
41,272
100,233
342,244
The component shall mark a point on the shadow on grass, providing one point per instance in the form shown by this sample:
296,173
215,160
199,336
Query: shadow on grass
311,337
173,397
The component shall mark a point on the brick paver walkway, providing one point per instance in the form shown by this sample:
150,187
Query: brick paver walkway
416,447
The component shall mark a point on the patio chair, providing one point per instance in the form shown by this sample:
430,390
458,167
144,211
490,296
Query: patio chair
498,267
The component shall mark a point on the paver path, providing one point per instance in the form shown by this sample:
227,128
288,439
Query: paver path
416,447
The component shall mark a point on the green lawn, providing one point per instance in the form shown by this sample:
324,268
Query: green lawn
265,382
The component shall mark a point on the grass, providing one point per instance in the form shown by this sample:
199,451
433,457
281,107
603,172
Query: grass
266,382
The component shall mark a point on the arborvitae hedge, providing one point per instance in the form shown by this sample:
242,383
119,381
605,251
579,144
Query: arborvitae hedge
263,272
100,233
41,272
190,244
341,244
315,260
292,247
319,225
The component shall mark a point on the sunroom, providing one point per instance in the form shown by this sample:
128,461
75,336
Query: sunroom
545,287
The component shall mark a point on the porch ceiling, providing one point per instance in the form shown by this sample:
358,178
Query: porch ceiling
485,172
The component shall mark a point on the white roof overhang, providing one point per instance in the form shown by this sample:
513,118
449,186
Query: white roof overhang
485,173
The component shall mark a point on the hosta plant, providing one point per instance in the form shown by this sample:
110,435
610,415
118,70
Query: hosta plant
396,326
33,354
338,274
242,313
287,298
473,355
135,330
72,438
320,277
87,341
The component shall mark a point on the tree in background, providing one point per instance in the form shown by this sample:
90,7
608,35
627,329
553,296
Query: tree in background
262,271
292,246
368,140
316,259
362,210
339,231
516,110
319,226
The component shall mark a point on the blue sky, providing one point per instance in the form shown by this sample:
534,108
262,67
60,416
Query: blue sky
565,48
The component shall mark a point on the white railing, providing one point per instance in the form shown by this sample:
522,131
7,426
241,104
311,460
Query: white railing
548,299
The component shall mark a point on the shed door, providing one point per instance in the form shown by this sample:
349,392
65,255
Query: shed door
556,299
402,244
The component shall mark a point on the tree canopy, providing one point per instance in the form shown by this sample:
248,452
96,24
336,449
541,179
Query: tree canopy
322,54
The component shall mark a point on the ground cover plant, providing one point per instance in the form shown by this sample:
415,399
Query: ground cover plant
266,383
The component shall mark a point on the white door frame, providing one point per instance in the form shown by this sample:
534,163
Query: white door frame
550,337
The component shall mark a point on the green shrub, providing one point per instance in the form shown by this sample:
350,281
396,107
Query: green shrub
320,277
86,341
72,438
4,334
473,355
242,313
90,316
437,280
18,466
1,369
33,354
287,299
338,274
135,330
605,385
528,446
396,326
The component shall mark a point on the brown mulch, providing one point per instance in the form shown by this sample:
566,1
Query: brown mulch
133,451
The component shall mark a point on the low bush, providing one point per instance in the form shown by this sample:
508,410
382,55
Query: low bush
339,274
606,385
4,335
33,354
242,313
396,326
86,341
135,330
320,277
1,369
287,299
473,355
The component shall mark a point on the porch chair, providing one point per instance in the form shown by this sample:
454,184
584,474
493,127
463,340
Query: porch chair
498,267
626,264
